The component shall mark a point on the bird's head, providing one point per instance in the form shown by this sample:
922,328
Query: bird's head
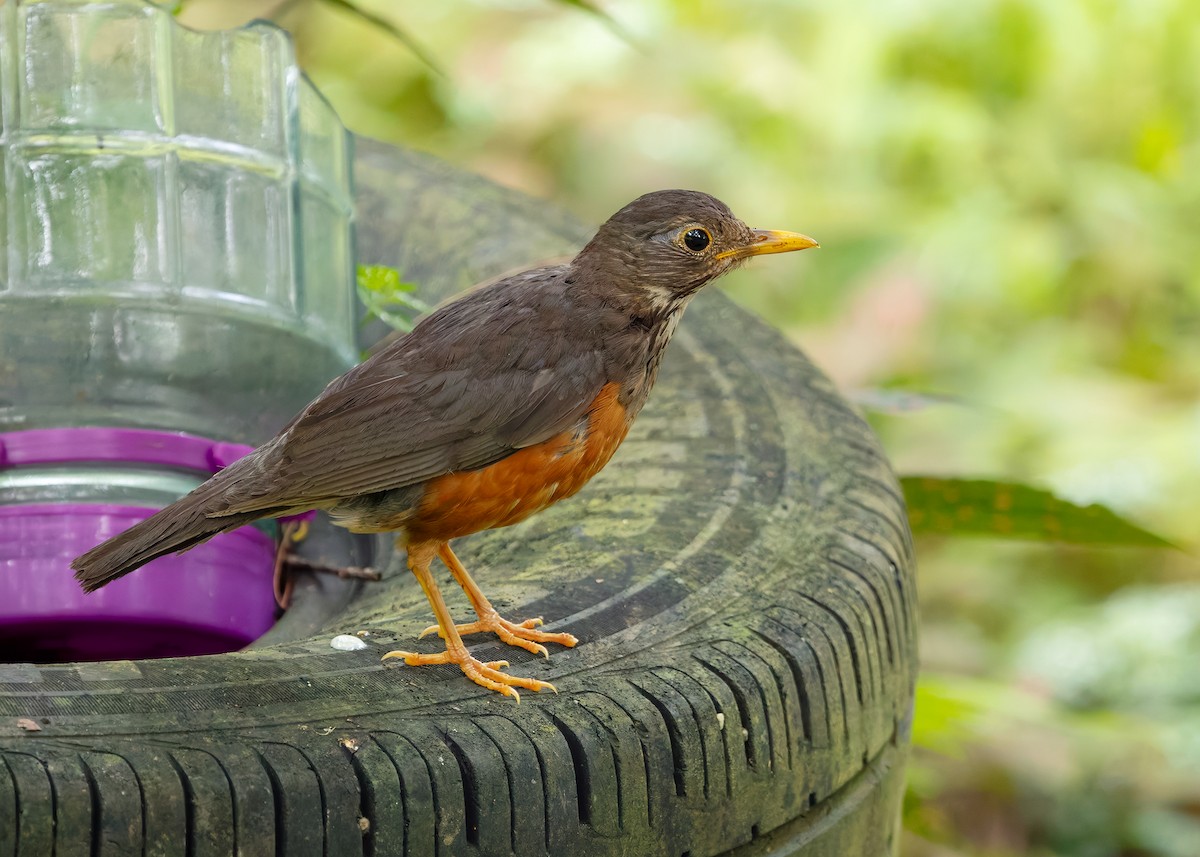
666,245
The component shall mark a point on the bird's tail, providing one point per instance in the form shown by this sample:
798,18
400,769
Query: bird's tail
184,524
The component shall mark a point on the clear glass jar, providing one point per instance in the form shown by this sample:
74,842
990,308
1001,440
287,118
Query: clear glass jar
177,224
176,219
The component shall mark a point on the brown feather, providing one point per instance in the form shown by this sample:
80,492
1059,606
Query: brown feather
523,387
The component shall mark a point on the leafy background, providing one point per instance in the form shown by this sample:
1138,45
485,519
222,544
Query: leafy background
1008,195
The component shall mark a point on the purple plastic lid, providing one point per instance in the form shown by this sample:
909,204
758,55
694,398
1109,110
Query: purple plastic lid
133,446
215,597
140,446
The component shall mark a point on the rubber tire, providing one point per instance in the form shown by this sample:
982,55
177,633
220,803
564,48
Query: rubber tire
740,577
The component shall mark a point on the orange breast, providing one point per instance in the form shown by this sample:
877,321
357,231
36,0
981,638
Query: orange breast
526,482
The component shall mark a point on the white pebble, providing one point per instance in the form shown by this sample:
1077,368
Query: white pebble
347,643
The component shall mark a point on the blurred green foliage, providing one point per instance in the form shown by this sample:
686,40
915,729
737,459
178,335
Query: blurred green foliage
1007,193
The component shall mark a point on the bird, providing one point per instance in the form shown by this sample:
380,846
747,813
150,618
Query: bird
495,406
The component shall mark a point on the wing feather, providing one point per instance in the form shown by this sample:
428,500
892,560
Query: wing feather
441,399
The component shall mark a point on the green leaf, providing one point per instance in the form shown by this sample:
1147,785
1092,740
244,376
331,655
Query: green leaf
1010,510
387,297
381,280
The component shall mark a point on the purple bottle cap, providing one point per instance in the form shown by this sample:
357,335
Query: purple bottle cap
135,446
215,597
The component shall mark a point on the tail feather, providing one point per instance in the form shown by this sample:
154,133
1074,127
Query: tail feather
170,530
187,522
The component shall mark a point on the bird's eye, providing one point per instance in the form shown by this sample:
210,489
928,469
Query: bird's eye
696,239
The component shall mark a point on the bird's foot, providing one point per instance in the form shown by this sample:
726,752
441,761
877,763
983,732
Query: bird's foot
486,674
521,634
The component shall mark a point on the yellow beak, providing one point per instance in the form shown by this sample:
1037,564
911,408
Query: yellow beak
770,241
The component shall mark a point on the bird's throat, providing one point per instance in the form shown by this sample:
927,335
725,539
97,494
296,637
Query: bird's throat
657,312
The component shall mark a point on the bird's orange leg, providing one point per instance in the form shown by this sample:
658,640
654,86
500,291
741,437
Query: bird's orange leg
522,634
486,674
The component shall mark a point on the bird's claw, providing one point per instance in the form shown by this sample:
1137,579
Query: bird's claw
486,674
520,634
475,627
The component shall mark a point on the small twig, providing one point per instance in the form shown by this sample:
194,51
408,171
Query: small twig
351,572
613,24
282,581
392,29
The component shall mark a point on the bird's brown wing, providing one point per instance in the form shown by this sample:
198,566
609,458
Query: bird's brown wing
465,389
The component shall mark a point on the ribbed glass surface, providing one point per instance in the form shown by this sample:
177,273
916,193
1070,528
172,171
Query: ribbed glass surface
176,224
